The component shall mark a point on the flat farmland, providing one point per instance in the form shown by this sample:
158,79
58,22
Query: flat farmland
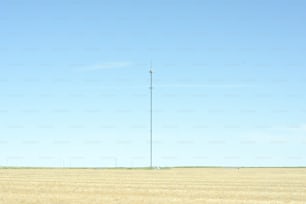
177,185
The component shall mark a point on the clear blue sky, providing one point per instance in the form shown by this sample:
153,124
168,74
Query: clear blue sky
230,82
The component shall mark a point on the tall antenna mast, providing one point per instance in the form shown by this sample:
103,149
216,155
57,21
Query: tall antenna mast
151,117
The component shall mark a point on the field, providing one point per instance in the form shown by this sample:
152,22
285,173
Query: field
181,185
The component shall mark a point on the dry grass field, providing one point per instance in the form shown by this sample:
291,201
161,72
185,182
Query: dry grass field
194,185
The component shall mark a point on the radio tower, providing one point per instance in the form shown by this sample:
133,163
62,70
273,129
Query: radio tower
151,117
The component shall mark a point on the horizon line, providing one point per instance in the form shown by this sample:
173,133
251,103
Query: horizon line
159,167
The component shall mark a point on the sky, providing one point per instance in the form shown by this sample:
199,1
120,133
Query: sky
229,83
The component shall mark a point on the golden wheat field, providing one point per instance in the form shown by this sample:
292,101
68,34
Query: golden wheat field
182,185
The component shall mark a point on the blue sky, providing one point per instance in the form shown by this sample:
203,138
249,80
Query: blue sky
229,82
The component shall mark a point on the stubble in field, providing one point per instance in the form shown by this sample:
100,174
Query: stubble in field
183,186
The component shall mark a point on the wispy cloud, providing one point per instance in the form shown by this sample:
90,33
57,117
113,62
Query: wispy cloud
277,134
297,128
107,65
204,85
